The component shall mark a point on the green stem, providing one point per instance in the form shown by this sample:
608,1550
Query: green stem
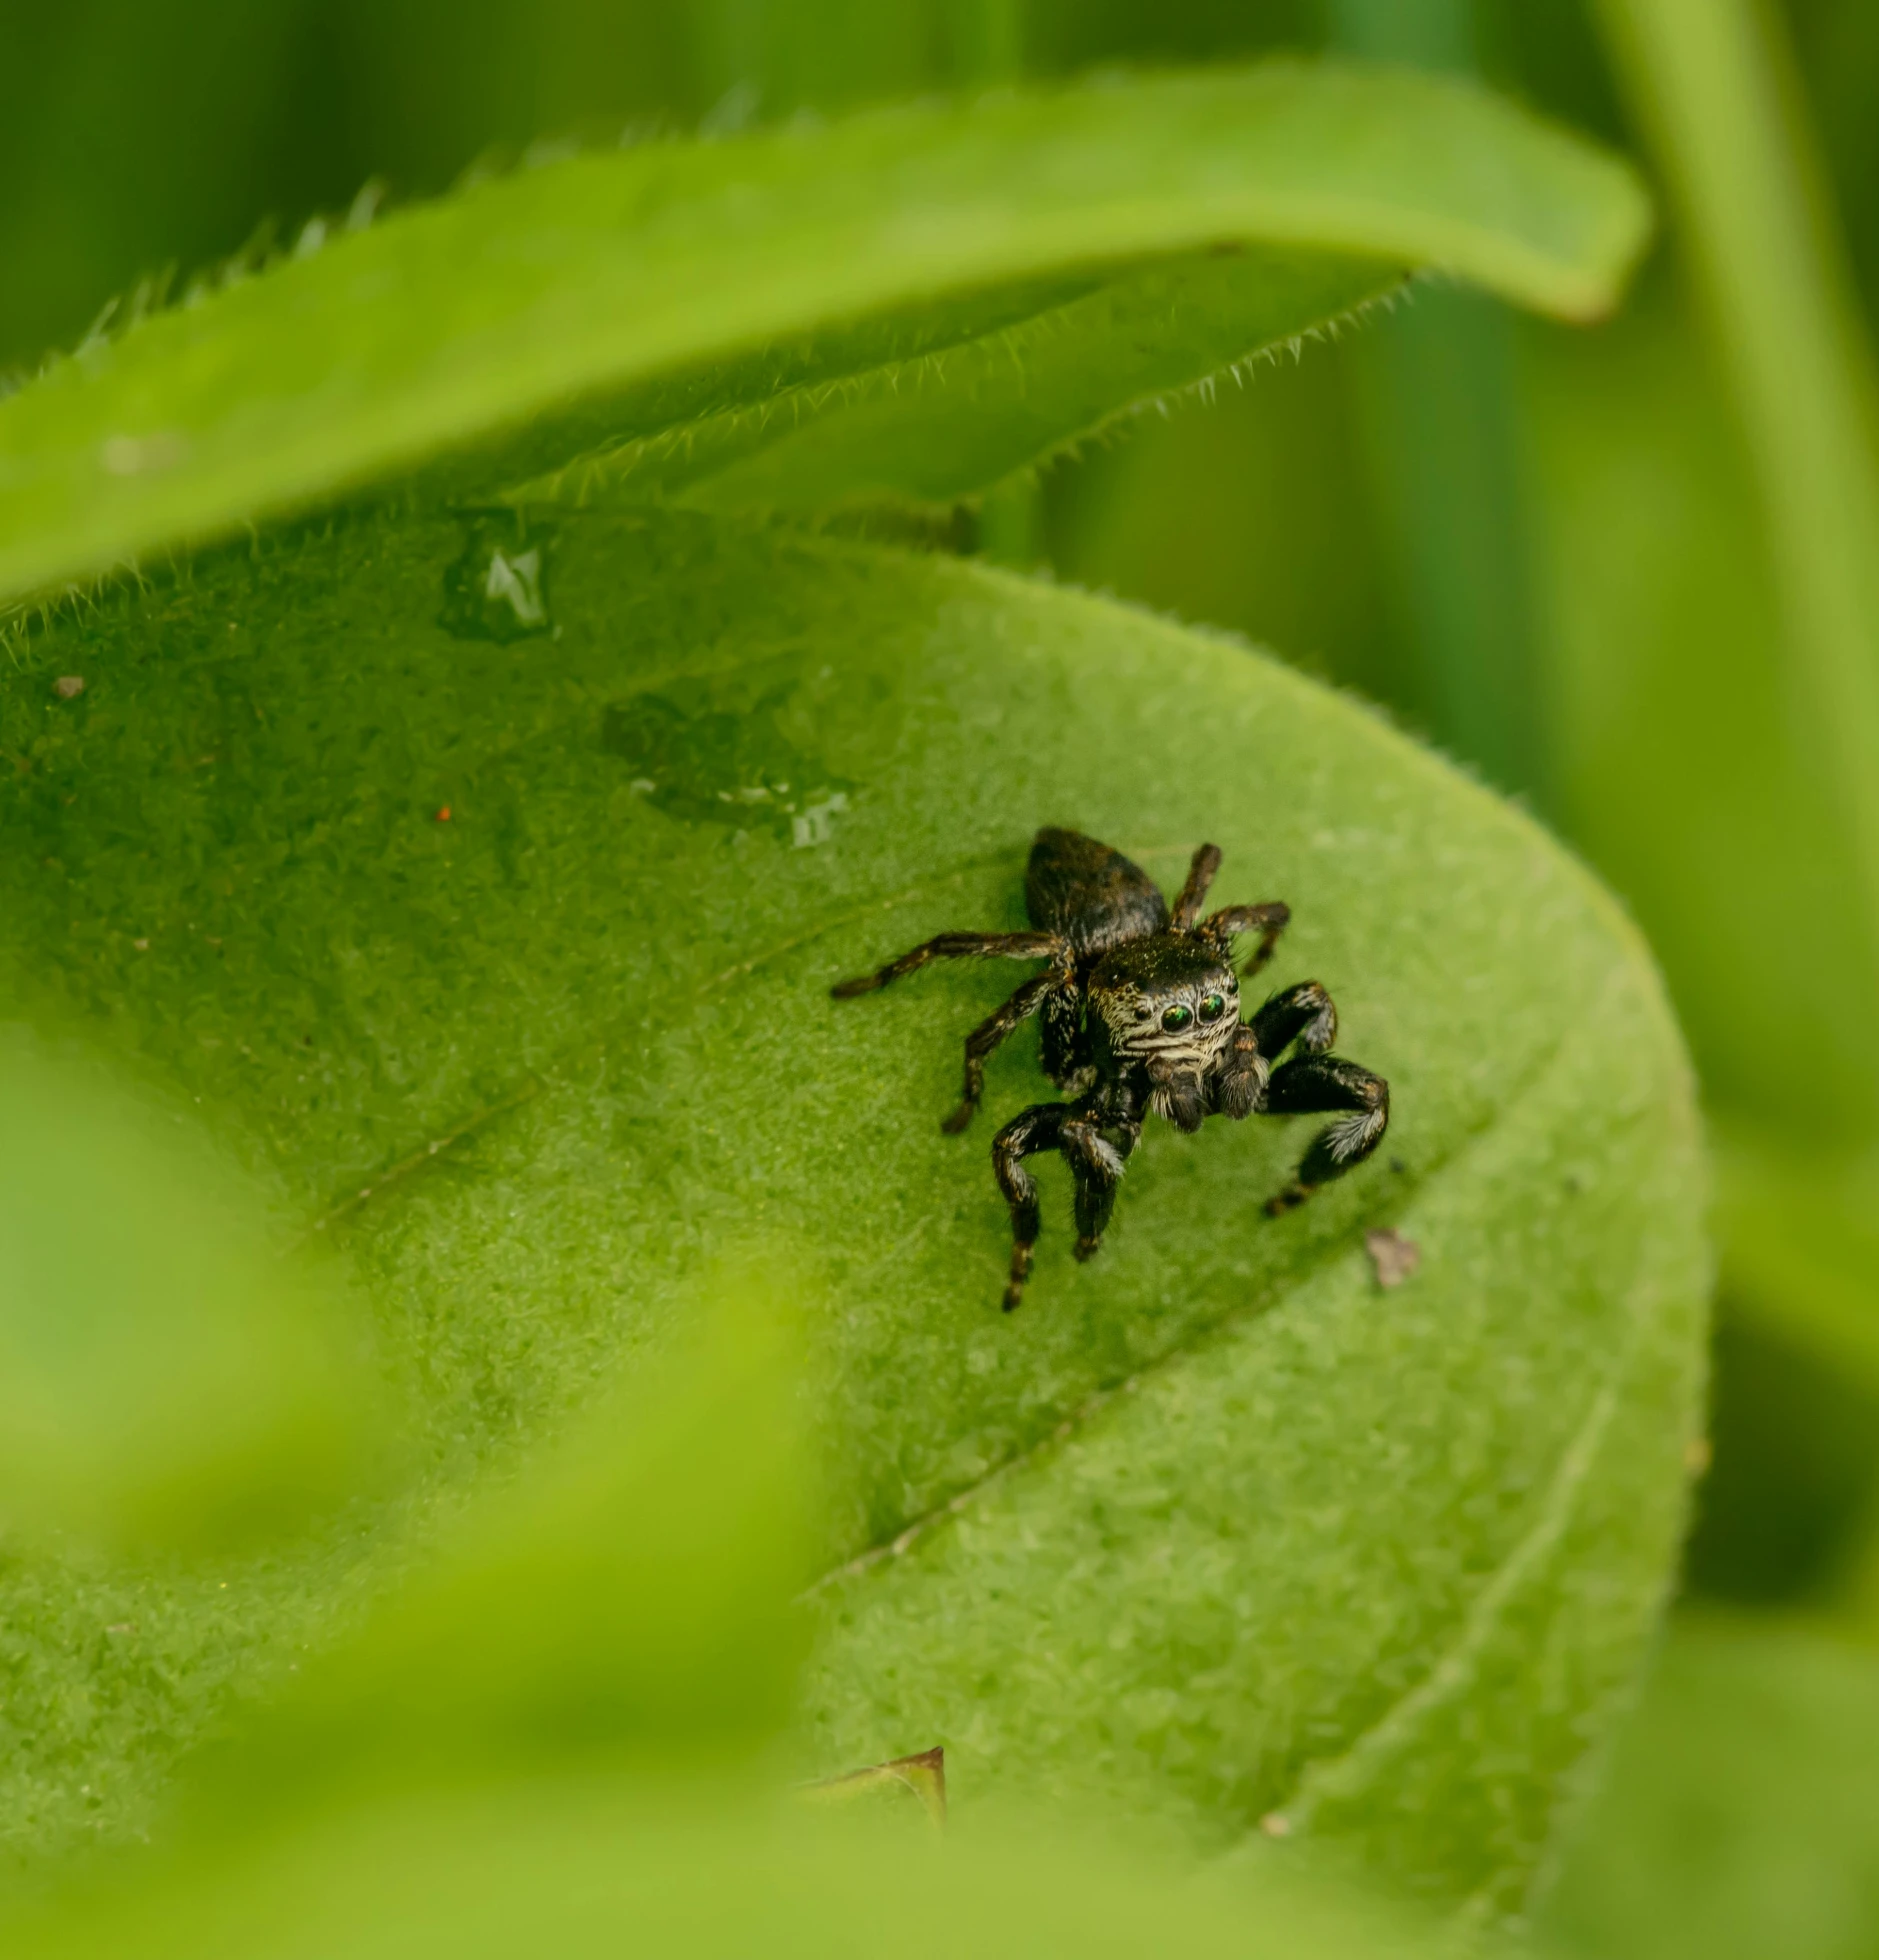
1708,78
989,36
1435,390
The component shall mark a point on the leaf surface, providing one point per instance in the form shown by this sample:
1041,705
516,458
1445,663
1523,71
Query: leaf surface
504,962
628,298
943,423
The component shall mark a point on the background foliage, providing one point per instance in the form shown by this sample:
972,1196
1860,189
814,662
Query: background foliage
1608,569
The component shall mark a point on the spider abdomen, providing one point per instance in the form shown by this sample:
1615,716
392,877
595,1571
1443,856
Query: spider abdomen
1091,894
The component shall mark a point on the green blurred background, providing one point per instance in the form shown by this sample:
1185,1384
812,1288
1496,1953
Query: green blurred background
1548,550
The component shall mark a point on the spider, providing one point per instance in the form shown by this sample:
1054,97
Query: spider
1140,1010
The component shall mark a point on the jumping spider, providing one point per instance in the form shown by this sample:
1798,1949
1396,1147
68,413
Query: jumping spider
1140,1010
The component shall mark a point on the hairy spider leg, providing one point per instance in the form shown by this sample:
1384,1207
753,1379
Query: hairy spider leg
1031,1130
1178,1094
1267,920
992,1030
961,946
1200,874
1064,1040
1095,1163
1315,1084
1238,1084
1305,1014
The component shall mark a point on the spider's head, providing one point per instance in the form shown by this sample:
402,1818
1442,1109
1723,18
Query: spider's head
1172,1002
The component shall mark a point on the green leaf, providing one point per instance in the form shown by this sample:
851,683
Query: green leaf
1740,1814
167,1379
948,421
506,962
590,1868
628,298
628,1600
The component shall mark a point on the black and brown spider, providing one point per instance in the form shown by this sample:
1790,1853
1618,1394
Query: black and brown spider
1140,1010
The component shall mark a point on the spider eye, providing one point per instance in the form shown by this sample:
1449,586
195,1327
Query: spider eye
1142,1013
1212,1008
1176,1018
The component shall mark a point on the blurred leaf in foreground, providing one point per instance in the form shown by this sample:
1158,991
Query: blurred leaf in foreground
626,1599
168,1380
1739,1816
546,1743
702,1869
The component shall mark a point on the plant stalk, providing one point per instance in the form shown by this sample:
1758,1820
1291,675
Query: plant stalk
1713,83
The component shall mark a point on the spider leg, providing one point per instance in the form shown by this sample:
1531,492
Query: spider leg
1065,1042
1267,920
1178,1094
991,1031
1324,1083
961,946
1305,1014
1031,1130
1238,1082
1097,1166
1200,874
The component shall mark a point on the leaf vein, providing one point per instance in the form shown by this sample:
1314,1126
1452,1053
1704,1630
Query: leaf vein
1101,1399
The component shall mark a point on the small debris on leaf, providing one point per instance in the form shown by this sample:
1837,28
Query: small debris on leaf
69,686
1393,1256
142,945
924,1776
443,815
1276,1824
1696,1456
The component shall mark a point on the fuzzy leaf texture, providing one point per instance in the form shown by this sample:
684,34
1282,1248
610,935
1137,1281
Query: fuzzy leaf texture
959,289
480,876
